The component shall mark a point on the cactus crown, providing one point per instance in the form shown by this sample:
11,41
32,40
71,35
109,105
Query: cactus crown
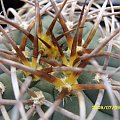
56,47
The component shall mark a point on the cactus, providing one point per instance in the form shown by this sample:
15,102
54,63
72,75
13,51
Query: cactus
58,62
